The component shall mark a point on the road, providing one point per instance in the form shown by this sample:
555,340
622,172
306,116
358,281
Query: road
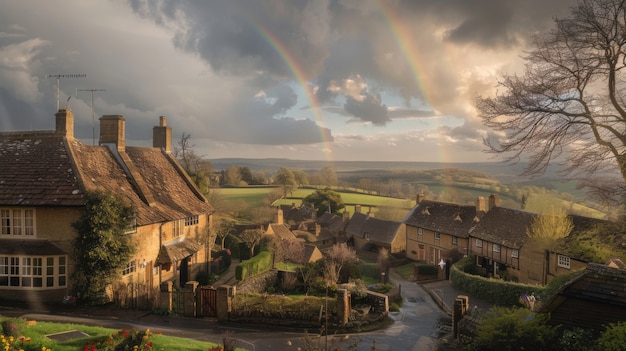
418,325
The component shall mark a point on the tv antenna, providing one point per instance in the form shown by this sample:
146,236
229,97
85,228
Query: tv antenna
93,117
59,76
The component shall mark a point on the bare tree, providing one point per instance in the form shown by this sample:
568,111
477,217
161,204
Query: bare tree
337,257
569,103
252,237
223,228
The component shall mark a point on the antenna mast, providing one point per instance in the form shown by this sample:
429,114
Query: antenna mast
93,117
59,76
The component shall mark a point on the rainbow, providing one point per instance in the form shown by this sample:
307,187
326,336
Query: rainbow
301,78
401,33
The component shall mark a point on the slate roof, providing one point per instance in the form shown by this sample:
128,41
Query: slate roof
331,221
36,169
591,300
504,226
377,230
448,218
47,169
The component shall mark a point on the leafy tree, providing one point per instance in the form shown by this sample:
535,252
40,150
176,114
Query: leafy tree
613,338
246,175
569,103
547,228
511,329
286,179
101,248
325,200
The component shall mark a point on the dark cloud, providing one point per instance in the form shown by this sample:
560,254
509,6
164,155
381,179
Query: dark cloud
370,109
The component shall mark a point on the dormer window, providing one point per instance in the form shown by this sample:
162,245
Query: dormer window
457,218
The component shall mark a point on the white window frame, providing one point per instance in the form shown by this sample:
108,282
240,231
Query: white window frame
193,220
455,240
496,248
515,253
563,261
33,272
17,222
479,243
131,267
437,236
420,231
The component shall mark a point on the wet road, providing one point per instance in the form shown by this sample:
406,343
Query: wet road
417,326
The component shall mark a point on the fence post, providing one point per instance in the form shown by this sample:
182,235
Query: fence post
225,294
189,298
165,297
344,308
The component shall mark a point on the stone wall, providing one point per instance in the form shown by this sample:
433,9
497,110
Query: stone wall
258,283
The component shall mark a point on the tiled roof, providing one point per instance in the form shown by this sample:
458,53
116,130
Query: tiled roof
281,231
45,169
592,300
331,221
34,247
36,169
377,230
504,226
448,218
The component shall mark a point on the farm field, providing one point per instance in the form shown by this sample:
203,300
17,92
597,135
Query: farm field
254,197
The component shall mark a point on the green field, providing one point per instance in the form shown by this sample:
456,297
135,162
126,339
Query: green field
254,197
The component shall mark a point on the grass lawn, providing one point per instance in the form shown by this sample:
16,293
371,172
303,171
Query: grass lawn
406,271
31,336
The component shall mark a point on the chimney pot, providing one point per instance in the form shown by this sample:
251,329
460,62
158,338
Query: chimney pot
65,123
494,201
480,204
162,135
113,130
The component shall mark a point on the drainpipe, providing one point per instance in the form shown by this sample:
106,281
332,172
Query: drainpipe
160,244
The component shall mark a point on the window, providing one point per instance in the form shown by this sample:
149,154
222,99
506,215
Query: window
563,261
496,248
130,268
479,243
18,222
132,226
177,228
515,253
193,220
420,231
30,272
437,236
455,240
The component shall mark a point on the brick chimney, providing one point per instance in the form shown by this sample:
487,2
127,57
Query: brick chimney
357,208
113,131
346,215
65,123
494,201
162,135
480,204
420,197
279,215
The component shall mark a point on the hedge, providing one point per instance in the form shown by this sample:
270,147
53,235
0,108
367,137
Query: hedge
501,292
256,265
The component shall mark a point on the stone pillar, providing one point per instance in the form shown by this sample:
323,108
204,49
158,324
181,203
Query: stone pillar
189,300
460,308
344,308
165,296
225,295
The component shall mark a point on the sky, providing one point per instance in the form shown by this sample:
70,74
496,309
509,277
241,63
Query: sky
344,80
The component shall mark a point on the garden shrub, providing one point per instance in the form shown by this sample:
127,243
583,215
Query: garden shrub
427,269
613,338
256,265
12,327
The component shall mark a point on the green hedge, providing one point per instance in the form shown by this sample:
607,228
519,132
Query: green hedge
500,292
256,265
